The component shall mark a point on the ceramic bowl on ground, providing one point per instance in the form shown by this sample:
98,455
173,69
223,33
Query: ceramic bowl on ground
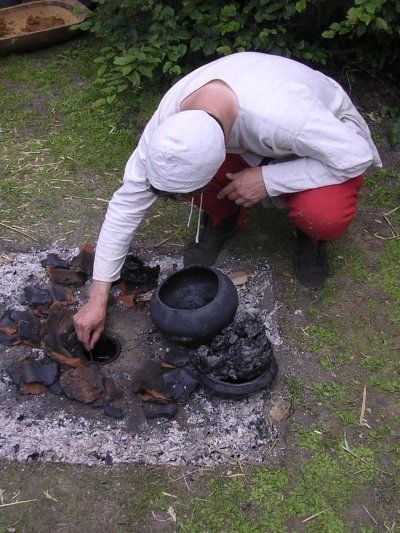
242,390
192,305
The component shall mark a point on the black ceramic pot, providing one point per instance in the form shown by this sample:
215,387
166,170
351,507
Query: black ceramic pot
194,304
238,391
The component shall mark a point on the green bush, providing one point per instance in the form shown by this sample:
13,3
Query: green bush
149,39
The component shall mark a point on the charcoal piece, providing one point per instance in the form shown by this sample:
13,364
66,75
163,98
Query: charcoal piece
241,352
8,329
55,261
148,376
139,275
180,383
56,388
42,311
35,456
63,294
28,326
108,459
16,369
177,356
7,326
152,410
36,296
83,262
23,326
111,392
83,384
66,276
37,372
113,412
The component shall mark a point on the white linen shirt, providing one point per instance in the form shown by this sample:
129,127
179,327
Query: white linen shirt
287,111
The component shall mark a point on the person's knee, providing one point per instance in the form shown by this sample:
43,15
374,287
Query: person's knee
322,230
326,222
325,213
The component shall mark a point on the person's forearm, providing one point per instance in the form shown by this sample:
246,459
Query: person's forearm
100,292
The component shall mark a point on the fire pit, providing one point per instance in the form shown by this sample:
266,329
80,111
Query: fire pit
194,304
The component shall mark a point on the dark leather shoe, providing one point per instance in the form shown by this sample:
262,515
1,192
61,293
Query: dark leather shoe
312,269
211,240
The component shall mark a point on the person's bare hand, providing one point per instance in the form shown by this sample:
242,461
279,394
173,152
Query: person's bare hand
246,188
90,320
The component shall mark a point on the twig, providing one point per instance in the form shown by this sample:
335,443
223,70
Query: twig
17,503
394,232
392,211
13,228
270,449
313,516
49,496
167,238
364,400
346,448
370,515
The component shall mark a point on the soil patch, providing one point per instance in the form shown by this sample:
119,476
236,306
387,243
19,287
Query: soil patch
34,18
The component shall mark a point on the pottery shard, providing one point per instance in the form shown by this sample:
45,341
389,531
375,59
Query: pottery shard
37,372
36,296
152,410
83,384
18,327
83,262
280,410
32,388
66,276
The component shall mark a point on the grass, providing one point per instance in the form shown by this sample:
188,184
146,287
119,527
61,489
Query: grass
60,162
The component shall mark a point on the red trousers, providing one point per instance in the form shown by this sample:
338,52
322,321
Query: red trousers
323,213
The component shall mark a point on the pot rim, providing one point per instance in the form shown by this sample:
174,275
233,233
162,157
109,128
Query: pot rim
215,271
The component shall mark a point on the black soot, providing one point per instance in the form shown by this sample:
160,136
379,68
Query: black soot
240,353
190,290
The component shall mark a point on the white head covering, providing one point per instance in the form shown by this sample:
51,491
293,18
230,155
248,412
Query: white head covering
185,152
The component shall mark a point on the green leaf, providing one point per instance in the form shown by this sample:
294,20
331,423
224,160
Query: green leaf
100,59
224,50
196,43
110,99
101,71
209,47
127,69
301,5
361,29
146,71
124,60
328,34
100,102
381,23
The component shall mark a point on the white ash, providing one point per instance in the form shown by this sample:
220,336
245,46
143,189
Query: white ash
228,430
209,431
21,269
